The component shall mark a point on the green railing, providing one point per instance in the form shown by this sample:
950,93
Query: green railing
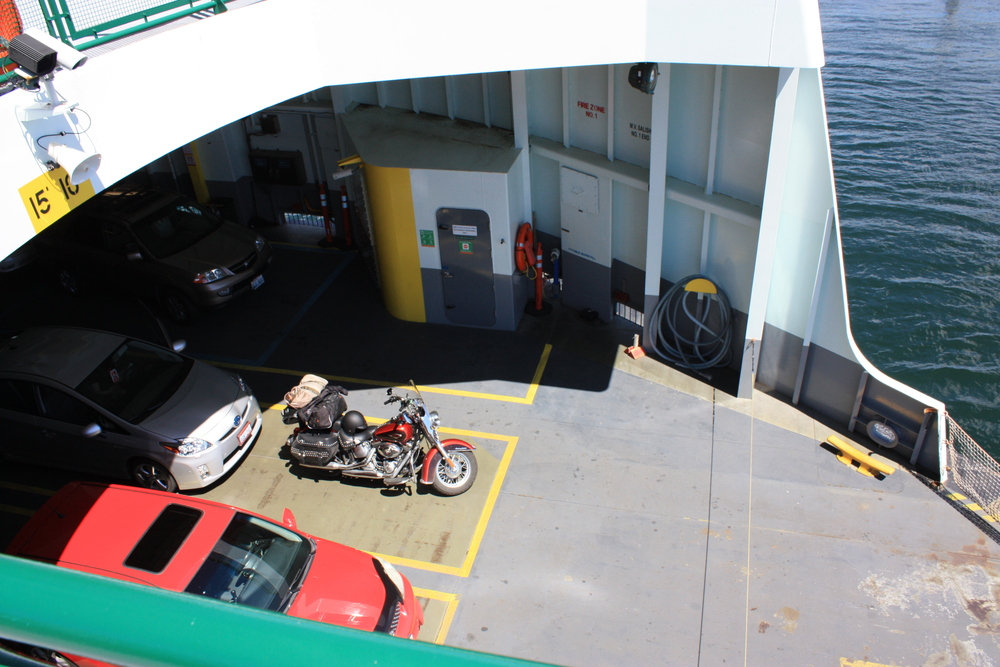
98,22
133,625
104,24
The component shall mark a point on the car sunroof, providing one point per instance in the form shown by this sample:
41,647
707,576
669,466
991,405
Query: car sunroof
163,538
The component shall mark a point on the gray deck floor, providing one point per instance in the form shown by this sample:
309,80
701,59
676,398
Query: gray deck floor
658,522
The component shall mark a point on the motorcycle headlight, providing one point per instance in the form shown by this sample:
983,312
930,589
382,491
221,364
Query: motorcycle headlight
189,446
212,275
435,419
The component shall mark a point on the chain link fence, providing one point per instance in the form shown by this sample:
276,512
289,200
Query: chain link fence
973,471
10,27
87,23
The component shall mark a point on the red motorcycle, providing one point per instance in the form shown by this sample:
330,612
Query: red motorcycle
405,449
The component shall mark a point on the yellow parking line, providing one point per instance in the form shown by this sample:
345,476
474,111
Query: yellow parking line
451,599
527,399
16,510
484,517
29,489
494,492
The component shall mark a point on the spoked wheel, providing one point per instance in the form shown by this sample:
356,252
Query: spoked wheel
179,307
70,281
152,475
451,482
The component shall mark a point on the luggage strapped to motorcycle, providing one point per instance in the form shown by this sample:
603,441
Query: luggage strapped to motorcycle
321,413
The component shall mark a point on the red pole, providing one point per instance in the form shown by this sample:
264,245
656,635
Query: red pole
347,216
538,276
326,212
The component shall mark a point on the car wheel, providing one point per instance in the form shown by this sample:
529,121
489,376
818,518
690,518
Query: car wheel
152,475
70,280
449,482
179,307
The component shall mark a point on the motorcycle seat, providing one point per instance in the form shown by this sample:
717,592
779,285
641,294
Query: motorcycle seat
358,438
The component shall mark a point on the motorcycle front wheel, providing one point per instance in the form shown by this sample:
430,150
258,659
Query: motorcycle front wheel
449,482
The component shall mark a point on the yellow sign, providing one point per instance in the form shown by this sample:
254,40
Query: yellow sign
51,196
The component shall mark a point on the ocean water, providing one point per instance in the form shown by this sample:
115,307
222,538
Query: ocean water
913,102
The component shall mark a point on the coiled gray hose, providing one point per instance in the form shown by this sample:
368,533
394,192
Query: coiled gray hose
704,348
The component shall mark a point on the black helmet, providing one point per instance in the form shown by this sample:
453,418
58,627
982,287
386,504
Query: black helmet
352,422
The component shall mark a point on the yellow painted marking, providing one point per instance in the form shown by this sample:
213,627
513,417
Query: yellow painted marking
480,530
956,496
866,464
847,662
16,510
528,399
973,506
29,489
451,599
51,196
484,517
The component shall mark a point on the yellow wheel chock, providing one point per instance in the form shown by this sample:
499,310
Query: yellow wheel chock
866,464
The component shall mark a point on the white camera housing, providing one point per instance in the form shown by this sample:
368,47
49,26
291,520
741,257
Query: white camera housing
66,56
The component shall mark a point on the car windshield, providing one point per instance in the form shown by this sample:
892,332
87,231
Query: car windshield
256,563
135,380
175,227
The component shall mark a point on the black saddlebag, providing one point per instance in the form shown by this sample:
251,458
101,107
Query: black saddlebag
321,412
314,448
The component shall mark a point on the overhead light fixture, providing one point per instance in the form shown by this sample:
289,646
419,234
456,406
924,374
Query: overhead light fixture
642,77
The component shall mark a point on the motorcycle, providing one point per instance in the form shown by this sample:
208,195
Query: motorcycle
393,452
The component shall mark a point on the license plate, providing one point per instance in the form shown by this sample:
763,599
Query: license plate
257,282
244,433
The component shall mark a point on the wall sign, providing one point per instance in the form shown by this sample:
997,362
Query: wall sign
465,230
640,131
590,110
51,196
427,238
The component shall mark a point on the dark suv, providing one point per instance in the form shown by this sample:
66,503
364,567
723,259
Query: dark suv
157,244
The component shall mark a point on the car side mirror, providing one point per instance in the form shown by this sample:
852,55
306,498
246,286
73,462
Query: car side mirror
179,345
288,519
91,430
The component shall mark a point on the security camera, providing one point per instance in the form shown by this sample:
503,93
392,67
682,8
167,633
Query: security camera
66,56
32,56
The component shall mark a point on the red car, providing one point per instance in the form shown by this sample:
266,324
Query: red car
199,546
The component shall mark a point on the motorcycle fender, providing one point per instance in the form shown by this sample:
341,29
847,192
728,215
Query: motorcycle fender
452,444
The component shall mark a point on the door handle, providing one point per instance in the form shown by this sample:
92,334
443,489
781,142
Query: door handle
447,274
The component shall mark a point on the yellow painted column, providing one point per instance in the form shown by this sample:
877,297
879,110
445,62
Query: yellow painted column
395,229
194,170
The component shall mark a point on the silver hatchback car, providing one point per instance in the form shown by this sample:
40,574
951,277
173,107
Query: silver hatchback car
98,402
